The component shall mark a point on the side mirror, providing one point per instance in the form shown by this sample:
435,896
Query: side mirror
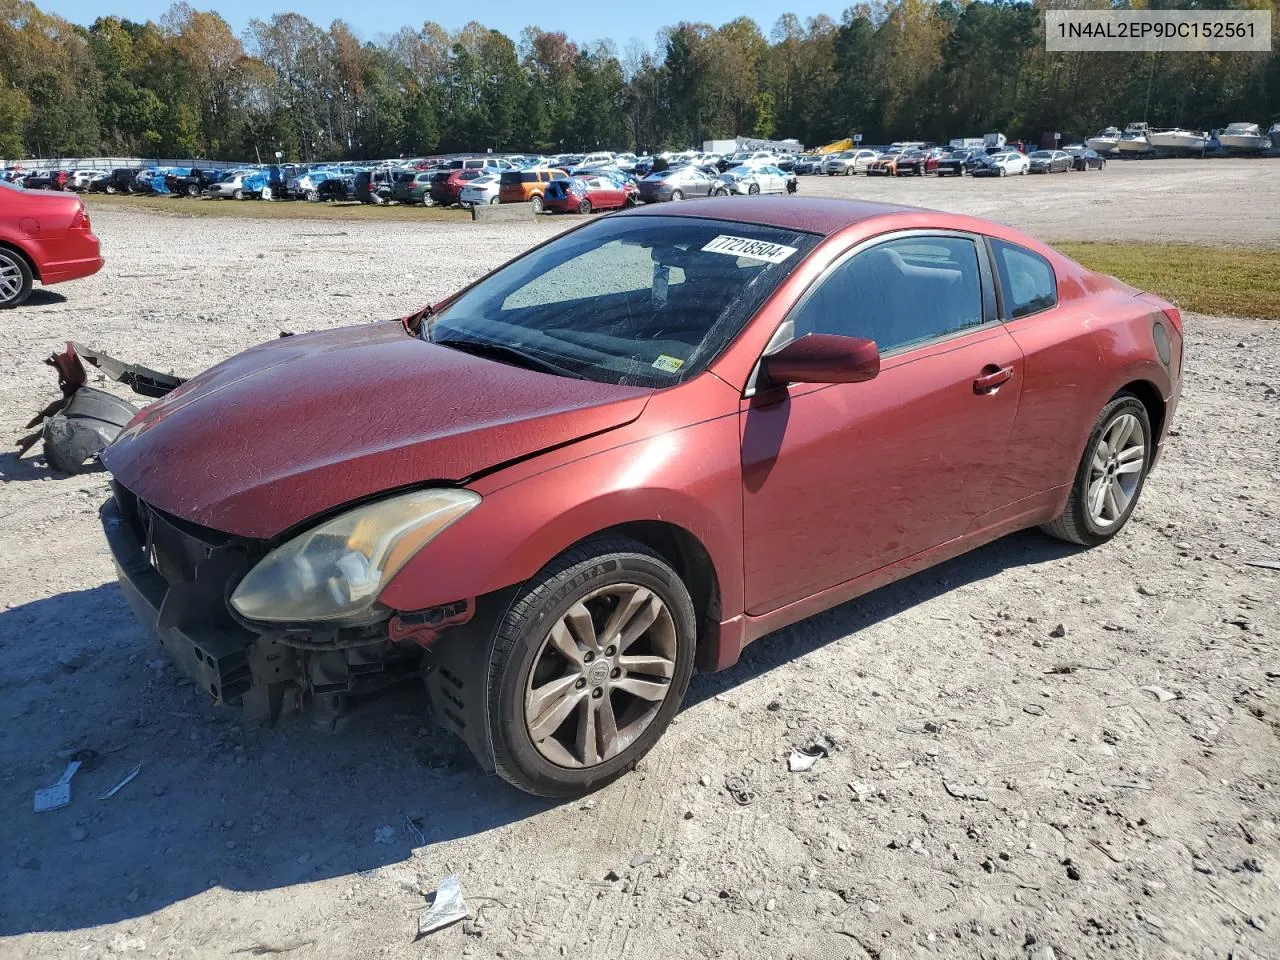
823,358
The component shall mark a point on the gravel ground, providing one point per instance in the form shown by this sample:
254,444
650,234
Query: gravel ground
999,785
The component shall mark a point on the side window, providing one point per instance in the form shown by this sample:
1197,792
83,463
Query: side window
898,293
1026,280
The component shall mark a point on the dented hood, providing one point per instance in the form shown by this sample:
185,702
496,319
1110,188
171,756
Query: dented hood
297,427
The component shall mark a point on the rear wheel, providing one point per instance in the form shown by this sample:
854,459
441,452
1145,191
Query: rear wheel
536,203
588,668
15,279
1110,477
237,194
493,200
753,188
720,192
677,194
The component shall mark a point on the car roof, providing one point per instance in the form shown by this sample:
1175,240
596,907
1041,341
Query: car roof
821,215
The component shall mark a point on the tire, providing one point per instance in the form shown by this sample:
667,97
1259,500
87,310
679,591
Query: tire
536,202
1102,166
193,189
237,194
266,194
493,200
720,192
1023,172
313,195
848,171
633,200
1004,172
584,206
1078,522
109,189
521,651
677,195
15,279
753,189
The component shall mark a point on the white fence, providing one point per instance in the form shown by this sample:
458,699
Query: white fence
111,163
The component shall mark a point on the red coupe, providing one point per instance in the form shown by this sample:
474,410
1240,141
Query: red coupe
639,446
585,194
44,236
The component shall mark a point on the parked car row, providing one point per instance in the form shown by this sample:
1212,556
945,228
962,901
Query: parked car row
903,160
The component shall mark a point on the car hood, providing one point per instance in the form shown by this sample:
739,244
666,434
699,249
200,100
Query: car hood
304,424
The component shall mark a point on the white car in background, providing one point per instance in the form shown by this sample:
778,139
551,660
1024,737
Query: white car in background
753,180
81,179
481,190
1007,163
848,162
752,158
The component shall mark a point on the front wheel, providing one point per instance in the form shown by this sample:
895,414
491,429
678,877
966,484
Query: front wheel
588,668
493,200
677,194
721,192
237,194
753,189
193,190
536,203
1110,476
584,206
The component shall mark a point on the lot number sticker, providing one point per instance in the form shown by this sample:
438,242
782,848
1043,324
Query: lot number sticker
753,249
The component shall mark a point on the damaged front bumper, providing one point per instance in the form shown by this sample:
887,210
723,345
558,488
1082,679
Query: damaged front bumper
177,577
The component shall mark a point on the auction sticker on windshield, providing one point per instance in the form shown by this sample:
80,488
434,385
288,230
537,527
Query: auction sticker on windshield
752,249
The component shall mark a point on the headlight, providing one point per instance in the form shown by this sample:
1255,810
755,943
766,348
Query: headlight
336,571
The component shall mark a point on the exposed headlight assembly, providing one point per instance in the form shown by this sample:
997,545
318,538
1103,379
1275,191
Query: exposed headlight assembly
335,571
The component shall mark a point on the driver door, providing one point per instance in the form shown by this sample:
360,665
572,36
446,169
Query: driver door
842,479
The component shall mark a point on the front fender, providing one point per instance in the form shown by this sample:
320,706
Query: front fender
689,477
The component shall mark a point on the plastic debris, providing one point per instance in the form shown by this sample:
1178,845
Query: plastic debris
802,761
57,795
1264,564
1160,693
116,789
447,907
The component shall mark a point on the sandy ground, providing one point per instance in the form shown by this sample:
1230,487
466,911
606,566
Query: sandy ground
1001,786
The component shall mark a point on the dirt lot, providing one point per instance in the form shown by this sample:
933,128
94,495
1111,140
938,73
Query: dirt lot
1002,786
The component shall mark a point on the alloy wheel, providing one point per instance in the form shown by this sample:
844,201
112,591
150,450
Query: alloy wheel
1116,470
601,675
11,278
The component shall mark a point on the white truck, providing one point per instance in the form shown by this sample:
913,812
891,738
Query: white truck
721,147
994,141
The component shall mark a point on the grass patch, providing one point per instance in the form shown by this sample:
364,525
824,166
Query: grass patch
198,207
1230,281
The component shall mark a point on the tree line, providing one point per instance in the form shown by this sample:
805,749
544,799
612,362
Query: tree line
894,69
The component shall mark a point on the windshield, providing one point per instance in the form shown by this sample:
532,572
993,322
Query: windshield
638,300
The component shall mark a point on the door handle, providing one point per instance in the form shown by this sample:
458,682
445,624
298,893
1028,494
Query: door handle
991,378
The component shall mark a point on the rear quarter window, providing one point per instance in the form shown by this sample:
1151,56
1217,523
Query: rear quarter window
1027,281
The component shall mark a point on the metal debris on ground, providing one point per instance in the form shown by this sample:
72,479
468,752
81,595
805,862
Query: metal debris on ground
802,761
739,787
116,789
1264,564
447,907
1160,693
58,794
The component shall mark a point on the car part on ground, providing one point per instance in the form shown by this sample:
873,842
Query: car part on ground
85,420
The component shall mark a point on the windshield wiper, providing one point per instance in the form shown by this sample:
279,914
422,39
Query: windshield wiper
503,353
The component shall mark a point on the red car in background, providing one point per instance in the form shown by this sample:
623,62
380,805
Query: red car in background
44,236
446,186
585,194
639,446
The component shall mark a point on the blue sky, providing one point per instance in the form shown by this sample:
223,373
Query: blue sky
619,22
